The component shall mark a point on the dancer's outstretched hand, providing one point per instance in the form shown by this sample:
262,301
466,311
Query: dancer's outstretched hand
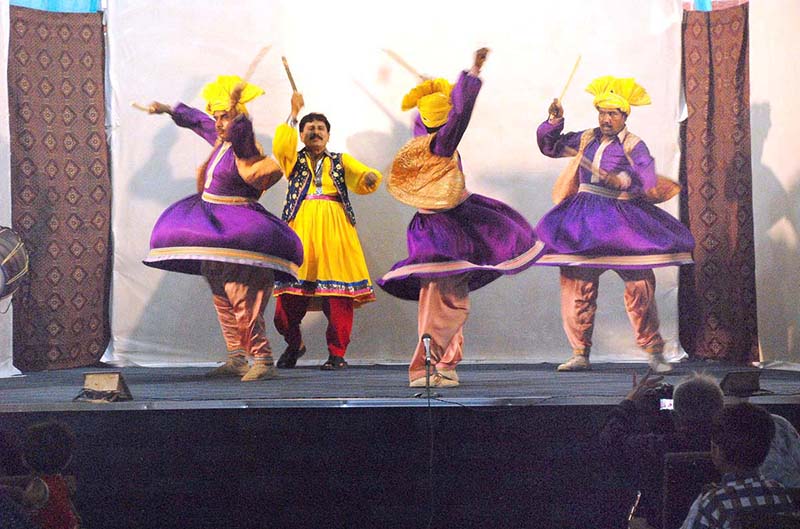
638,390
556,111
297,103
371,181
159,108
480,58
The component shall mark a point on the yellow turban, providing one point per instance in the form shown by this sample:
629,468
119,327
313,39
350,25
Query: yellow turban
613,92
218,94
432,98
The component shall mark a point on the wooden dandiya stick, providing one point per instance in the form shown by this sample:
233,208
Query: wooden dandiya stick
254,63
289,74
250,71
139,106
584,161
569,80
237,91
403,63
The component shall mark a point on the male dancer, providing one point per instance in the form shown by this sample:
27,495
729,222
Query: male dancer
608,222
334,276
457,241
222,232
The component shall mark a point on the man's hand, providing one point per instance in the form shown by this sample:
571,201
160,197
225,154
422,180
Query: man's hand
297,104
555,111
638,390
159,108
620,180
371,181
480,58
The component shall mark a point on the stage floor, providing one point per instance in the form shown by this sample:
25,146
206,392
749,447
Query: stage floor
367,386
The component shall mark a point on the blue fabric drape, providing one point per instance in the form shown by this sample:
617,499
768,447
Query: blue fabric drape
60,6
702,5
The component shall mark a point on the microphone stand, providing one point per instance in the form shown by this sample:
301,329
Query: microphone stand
426,342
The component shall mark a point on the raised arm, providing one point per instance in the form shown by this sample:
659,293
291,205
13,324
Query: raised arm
284,144
462,97
549,138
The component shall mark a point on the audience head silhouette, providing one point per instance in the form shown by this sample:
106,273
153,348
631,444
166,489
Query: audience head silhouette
48,447
741,437
696,400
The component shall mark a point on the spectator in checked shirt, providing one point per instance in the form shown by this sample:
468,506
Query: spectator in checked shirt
740,439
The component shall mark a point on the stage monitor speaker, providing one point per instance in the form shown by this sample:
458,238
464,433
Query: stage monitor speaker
741,383
104,386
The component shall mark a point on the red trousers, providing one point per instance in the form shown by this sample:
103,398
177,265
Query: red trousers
290,310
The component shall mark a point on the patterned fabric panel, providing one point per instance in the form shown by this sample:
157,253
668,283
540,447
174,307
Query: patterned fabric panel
718,295
61,191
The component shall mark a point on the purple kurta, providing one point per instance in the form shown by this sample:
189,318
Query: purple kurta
482,236
599,227
225,223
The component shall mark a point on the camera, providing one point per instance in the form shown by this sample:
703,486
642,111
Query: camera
660,391
656,406
658,398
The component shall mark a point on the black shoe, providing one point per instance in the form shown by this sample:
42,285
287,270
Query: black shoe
289,357
334,363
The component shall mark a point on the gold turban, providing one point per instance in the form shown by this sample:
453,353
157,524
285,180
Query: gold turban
613,92
432,98
218,94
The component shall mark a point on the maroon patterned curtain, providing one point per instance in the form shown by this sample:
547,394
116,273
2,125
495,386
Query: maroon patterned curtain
718,294
61,191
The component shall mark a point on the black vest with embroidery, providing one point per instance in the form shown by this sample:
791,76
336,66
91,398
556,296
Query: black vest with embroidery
300,179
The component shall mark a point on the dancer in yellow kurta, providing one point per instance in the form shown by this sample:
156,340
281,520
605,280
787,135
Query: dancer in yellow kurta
334,276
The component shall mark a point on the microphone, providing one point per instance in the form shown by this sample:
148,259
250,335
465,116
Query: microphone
426,343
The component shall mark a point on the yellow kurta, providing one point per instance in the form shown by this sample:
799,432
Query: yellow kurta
333,260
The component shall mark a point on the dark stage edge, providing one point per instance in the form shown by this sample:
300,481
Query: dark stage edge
180,388
513,446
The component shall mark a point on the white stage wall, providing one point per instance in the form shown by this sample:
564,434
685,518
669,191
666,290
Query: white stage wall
168,50
775,124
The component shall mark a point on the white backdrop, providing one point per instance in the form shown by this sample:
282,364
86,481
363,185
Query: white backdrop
157,51
775,124
168,50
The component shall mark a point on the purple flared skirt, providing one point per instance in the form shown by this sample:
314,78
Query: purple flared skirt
192,231
482,236
596,231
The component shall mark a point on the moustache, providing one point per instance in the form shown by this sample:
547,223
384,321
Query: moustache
313,136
